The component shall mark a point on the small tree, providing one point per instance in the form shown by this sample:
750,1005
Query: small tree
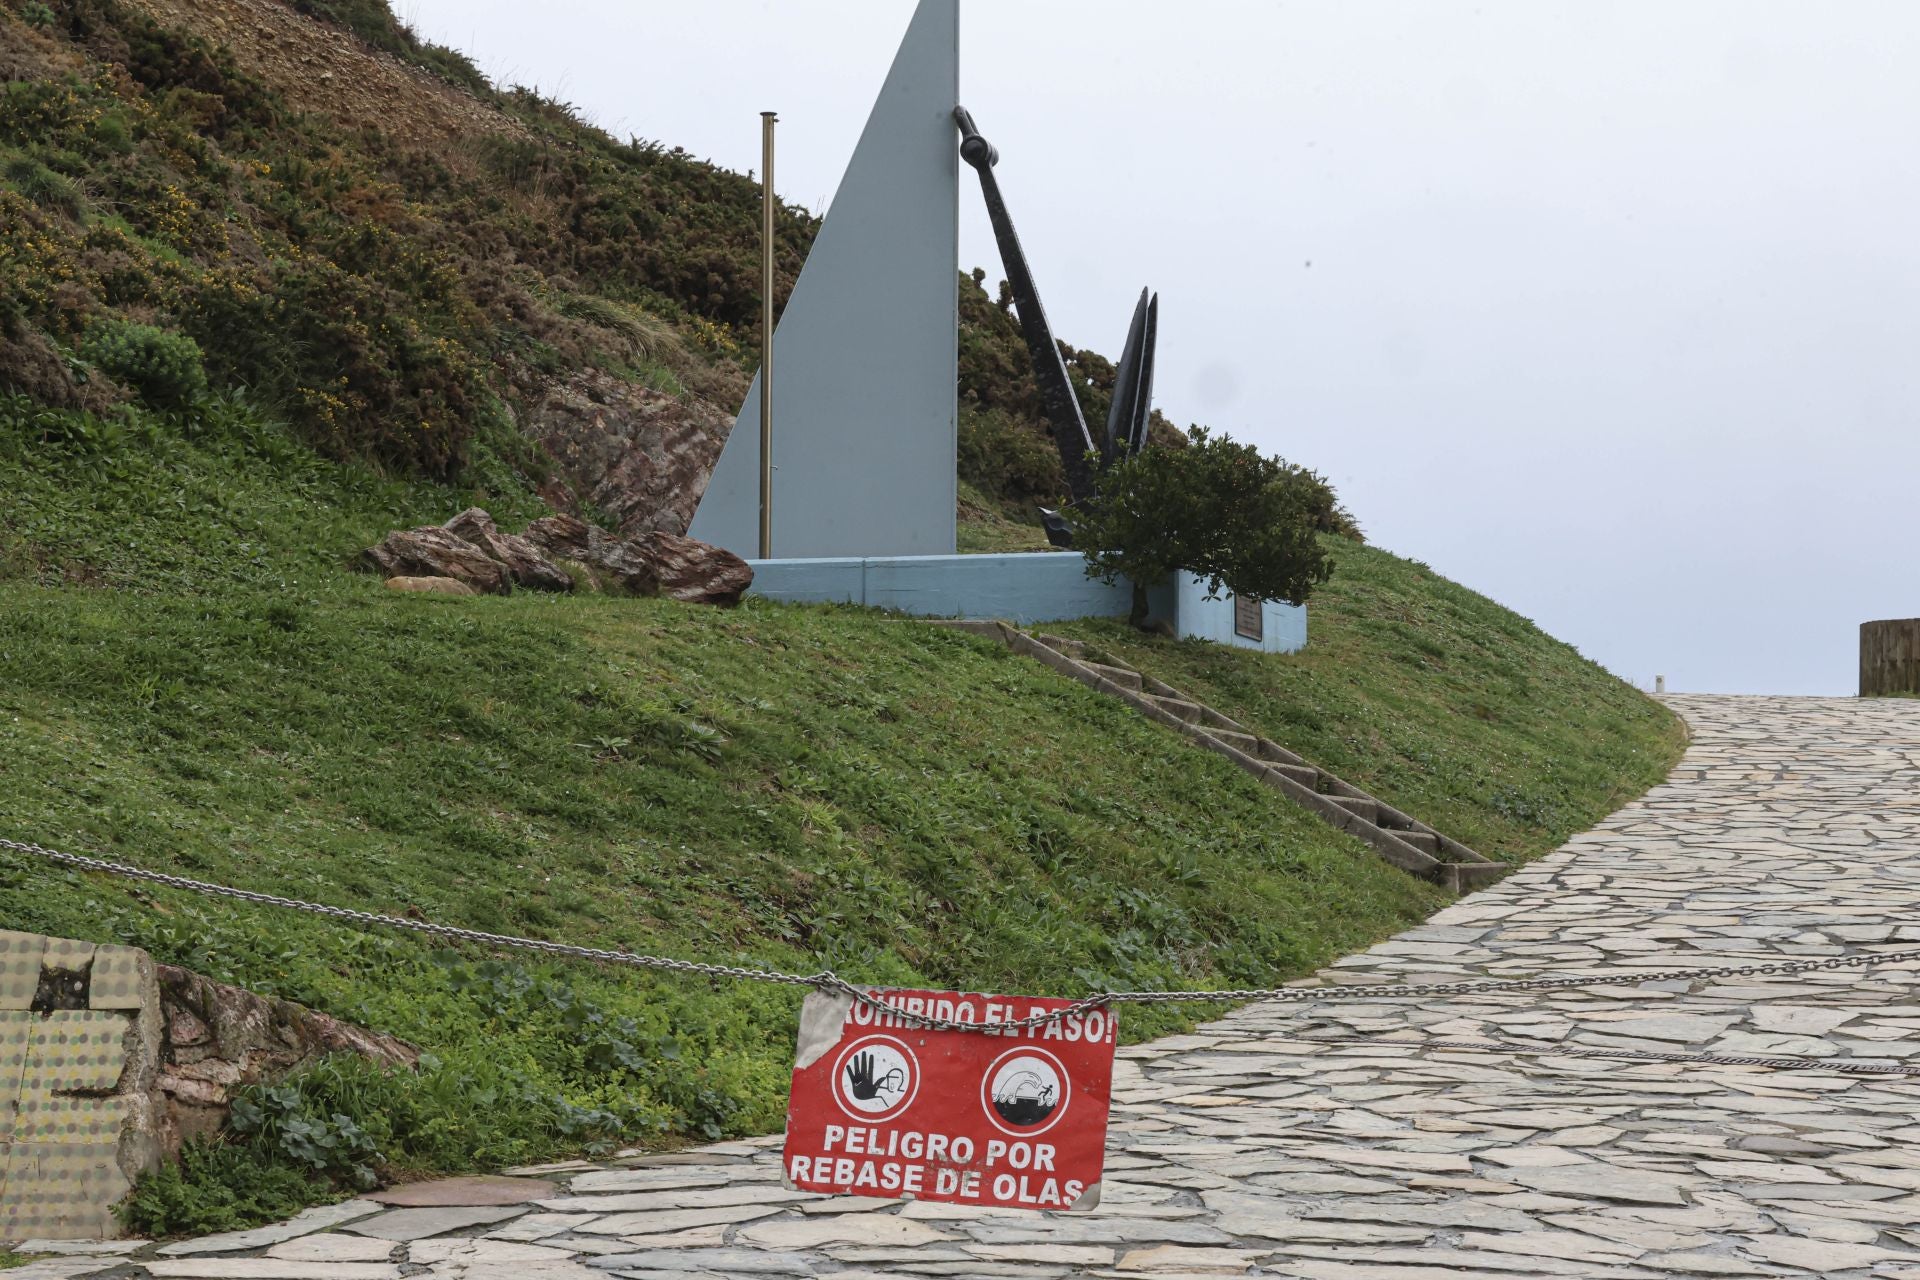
1216,509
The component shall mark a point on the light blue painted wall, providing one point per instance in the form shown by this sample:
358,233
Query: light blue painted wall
1021,588
865,372
1283,626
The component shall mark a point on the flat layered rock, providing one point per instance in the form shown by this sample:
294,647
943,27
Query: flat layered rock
524,561
418,1224
463,1192
433,552
304,1224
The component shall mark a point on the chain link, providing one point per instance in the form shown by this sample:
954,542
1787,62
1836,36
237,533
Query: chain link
1850,1066
1500,986
828,981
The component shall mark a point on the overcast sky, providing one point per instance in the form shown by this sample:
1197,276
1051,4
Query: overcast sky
1607,310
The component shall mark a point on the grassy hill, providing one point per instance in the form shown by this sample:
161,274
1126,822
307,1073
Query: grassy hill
396,256
1437,700
191,680
377,264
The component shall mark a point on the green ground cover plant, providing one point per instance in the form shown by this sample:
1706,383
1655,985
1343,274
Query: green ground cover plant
1437,700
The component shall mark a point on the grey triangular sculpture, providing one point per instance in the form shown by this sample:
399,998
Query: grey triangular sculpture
865,355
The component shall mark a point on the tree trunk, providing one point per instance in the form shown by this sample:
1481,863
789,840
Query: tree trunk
1890,657
1138,614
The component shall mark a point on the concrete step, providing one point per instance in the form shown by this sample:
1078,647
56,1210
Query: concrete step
1233,738
1468,876
1422,853
1121,676
1188,711
1424,841
1358,807
1271,750
1214,720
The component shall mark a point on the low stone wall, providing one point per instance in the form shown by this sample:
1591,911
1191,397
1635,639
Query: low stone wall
108,1062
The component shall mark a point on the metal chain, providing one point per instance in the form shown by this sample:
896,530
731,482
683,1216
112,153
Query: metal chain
827,980
1499,986
1850,1066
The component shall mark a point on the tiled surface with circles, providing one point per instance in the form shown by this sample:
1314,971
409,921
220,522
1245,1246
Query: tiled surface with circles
60,1120
19,968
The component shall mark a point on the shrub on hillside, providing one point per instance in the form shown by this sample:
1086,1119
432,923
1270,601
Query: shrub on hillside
374,22
1006,458
164,367
1218,509
44,187
1329,516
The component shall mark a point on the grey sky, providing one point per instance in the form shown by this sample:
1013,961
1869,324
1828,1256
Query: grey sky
1604,309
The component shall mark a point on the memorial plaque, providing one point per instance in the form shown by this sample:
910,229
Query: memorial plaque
1247,620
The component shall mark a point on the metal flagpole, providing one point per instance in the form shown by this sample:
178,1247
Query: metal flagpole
767,121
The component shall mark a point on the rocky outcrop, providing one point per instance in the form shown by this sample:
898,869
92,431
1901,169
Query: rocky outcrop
471,550
639,455
524,561
694,571
219,1037
614,564
432,552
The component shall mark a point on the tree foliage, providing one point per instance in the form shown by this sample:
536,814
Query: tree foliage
1218,509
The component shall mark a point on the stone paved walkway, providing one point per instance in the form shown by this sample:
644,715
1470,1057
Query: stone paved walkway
1791,829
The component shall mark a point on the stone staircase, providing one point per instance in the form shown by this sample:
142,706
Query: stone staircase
1402,840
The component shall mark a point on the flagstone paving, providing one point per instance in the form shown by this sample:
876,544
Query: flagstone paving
1791,829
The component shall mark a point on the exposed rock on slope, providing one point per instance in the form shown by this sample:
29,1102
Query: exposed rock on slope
523,560
324,69
694,571
650,564
220,1037
639,455
471,549
432,552
613,563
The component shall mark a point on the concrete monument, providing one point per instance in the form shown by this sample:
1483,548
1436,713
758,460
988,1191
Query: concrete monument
865,404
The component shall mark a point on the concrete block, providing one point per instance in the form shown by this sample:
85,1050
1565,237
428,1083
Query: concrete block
19,968
120,978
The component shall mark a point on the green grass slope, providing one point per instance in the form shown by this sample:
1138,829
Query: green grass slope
1437,700
191,680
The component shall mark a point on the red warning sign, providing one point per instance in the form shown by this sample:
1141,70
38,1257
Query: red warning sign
1015,1119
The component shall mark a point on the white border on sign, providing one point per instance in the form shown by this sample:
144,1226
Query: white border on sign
986,1092
875,1117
